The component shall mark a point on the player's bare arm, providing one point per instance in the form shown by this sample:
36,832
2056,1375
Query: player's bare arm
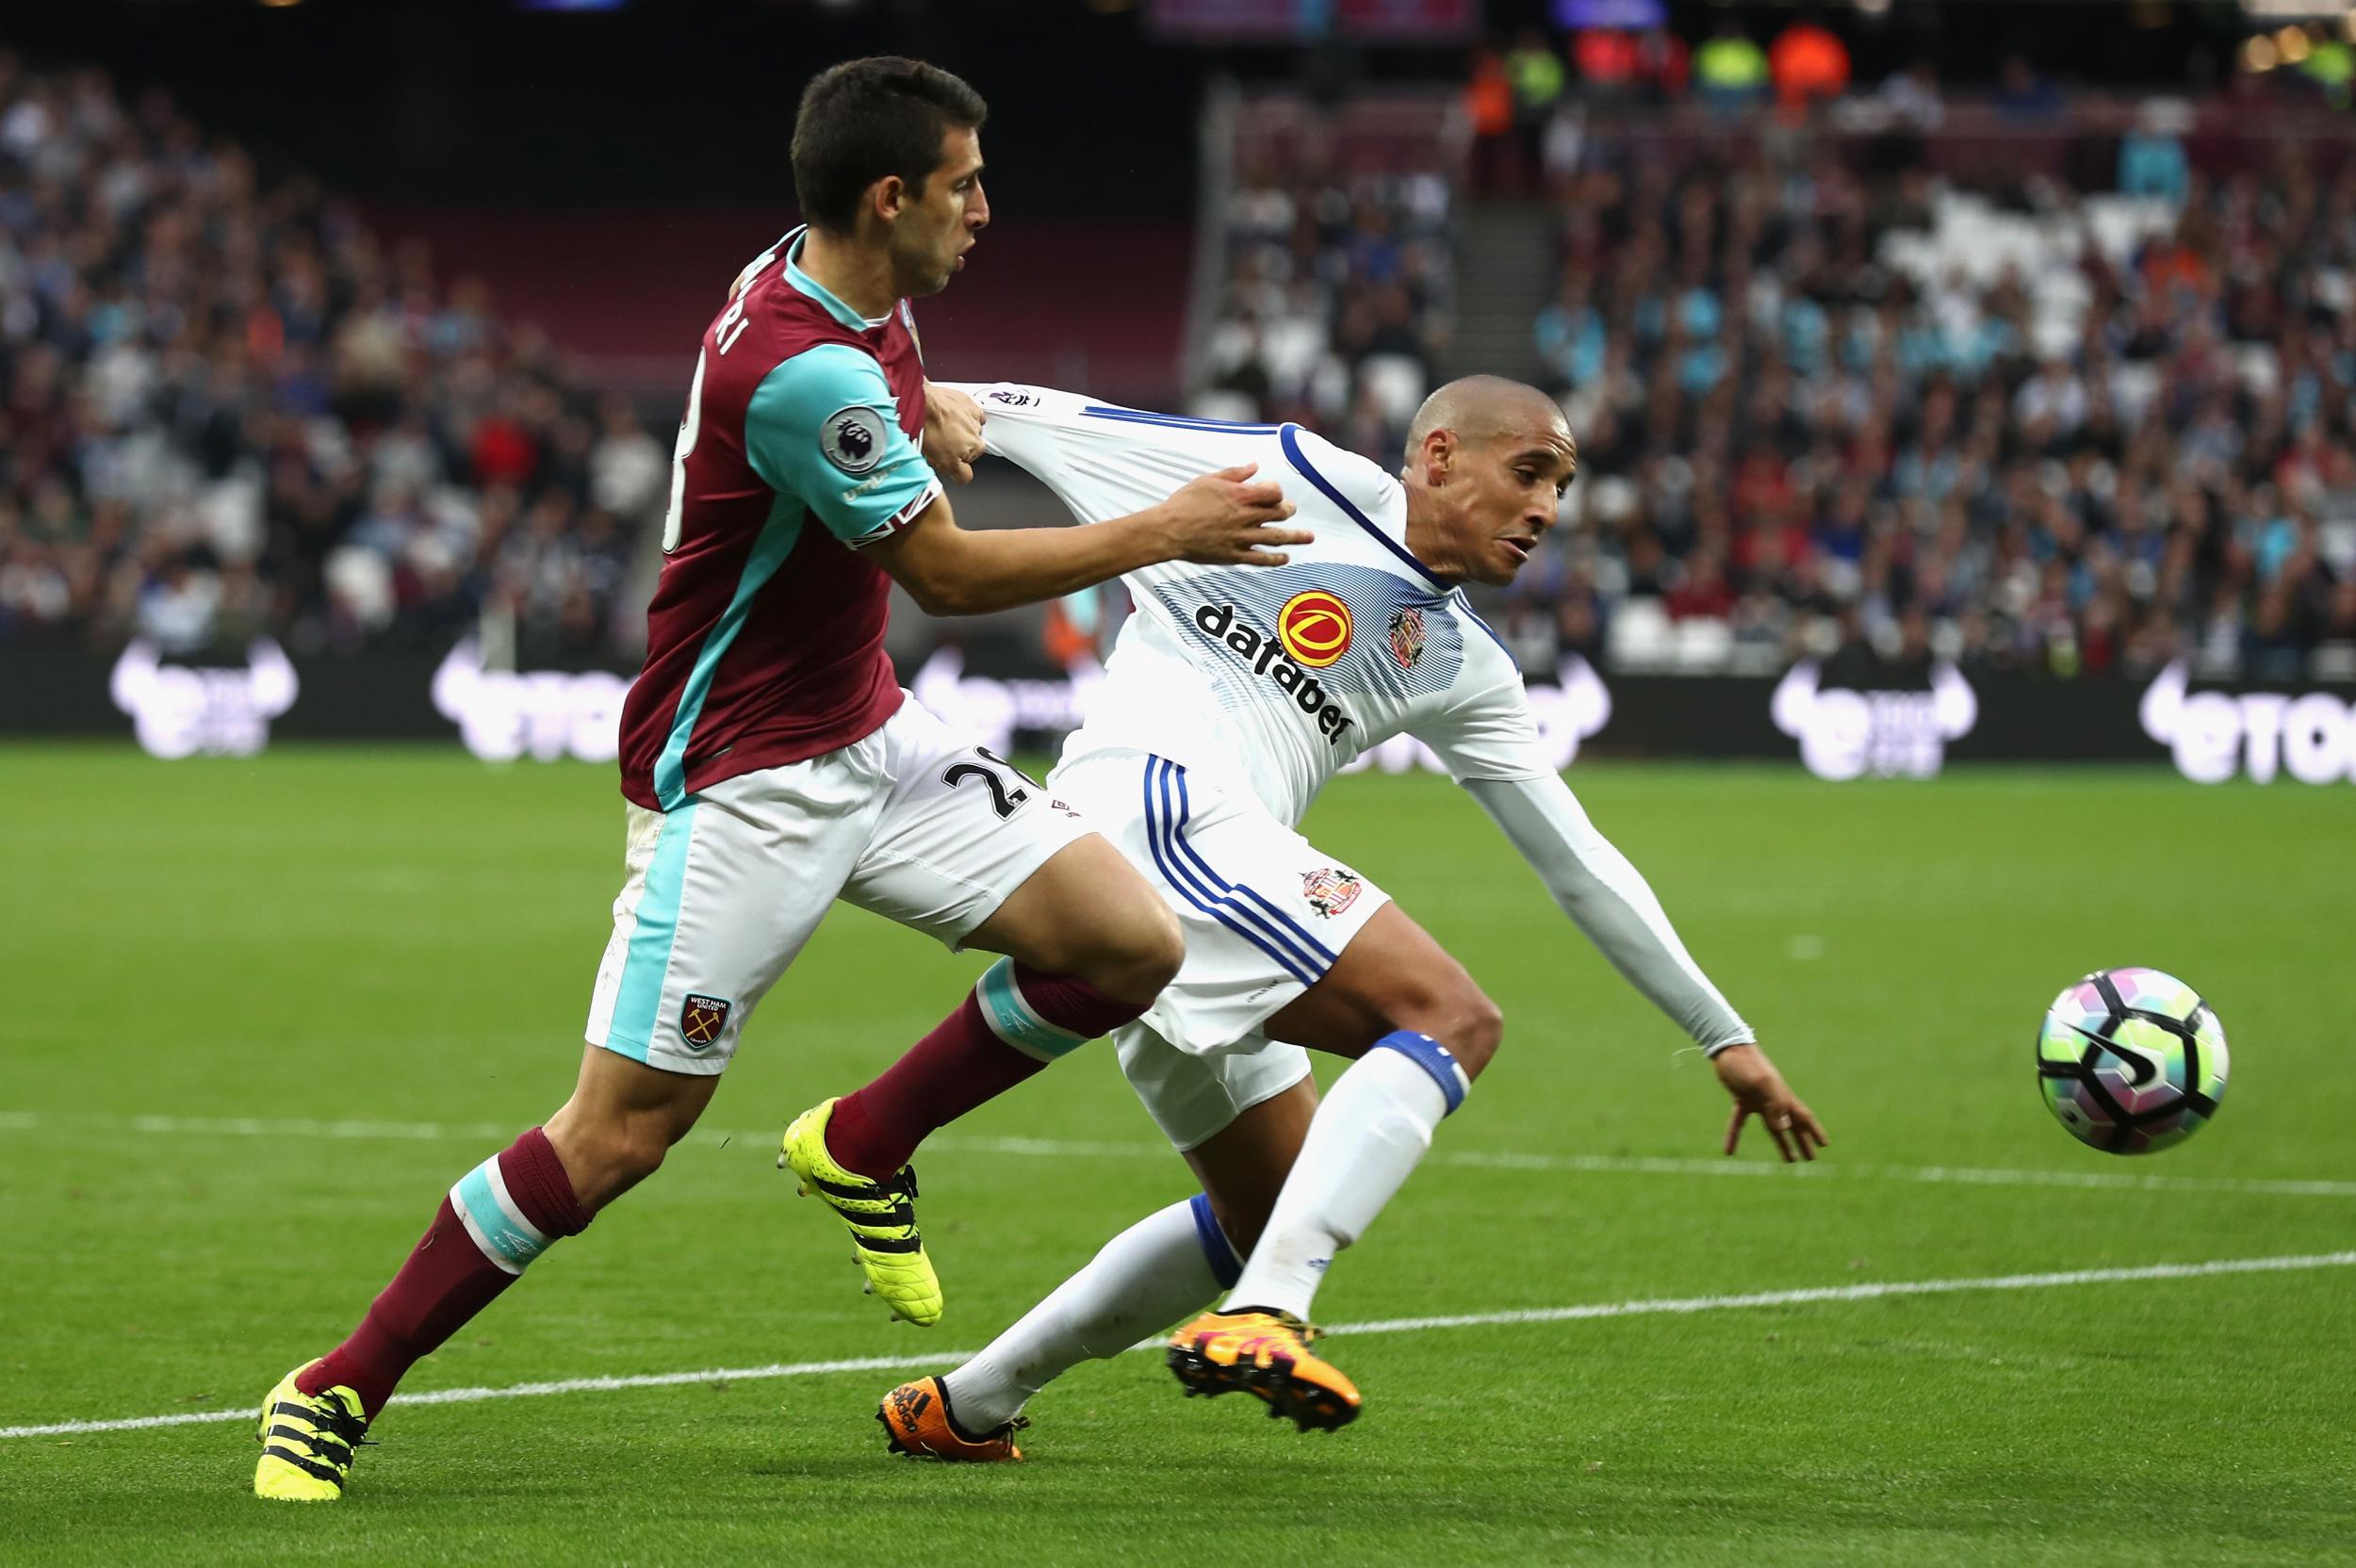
1223,519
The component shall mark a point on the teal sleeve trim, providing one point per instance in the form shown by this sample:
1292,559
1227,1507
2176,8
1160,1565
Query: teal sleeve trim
823,428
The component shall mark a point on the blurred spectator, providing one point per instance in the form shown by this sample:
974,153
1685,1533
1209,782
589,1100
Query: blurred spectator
2331,65
2152,161
1807,61
228,409
1609,62
1489,113
2021,93
628,472
1731,70
1537,76
1702,590
1564,146
1911,97
1618,66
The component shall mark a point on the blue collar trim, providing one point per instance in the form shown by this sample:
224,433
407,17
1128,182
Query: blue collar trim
1290,438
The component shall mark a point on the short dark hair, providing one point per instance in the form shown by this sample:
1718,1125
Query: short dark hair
866,118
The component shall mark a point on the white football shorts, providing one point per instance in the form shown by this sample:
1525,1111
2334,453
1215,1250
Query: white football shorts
1265,911
915,823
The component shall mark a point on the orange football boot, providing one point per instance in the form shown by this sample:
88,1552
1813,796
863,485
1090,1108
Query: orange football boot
1268,1354
915,1417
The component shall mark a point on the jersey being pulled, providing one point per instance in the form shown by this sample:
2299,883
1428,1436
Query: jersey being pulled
800,445
1272,677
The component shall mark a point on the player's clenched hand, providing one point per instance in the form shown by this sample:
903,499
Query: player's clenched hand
1760,1092
953,431
1222,519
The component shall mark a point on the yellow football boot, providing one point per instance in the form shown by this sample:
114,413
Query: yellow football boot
1266,1353
307,1441
882,1217
915,1418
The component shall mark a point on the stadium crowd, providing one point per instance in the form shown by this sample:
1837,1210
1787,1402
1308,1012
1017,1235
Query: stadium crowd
1338,296
1811,419
1811,424
227,407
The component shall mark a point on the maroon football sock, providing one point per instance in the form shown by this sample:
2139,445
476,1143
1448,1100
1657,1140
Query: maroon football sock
450,1276
964,1063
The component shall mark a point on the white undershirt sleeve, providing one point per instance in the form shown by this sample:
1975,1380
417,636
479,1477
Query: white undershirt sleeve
1609,901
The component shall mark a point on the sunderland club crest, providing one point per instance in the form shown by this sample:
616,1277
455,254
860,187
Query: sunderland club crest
1331,889
702,1018
1407,636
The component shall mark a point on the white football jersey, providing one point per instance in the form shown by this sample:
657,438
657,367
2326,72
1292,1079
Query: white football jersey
1272,677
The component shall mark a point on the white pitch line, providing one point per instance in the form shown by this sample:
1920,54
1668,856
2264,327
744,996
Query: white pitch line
518,1390
1670,1306
254,1127
1829,1170
1640,1164
1874,1292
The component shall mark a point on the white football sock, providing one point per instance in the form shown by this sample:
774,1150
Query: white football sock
1372,1129
1166,1266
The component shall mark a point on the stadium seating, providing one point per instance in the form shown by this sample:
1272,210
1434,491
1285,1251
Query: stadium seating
1338,258
230,408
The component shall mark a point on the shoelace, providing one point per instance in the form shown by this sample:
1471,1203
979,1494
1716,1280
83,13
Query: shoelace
1006,1430
1252,1349
337,1421
1287,1321
347,1423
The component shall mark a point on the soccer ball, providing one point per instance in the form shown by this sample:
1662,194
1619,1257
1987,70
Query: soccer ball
2131,1060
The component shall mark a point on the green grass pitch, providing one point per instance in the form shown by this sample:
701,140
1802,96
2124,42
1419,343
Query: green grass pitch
209,964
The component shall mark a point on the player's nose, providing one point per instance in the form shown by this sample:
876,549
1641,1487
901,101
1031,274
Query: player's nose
978,210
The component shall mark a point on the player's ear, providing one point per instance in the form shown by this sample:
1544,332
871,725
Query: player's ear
886,197
1439,456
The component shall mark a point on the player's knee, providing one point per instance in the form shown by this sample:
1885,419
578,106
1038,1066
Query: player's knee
1461,1017
1136,961
606,1158
1161,951
1480,1030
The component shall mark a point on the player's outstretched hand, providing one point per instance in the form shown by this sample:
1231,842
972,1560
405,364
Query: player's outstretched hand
1760,1092
1222,519
953,431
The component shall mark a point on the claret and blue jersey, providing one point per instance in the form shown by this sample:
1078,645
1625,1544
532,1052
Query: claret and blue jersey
800,445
